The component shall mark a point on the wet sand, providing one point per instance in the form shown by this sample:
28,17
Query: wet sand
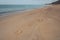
39,24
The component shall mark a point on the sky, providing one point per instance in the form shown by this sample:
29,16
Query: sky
26,1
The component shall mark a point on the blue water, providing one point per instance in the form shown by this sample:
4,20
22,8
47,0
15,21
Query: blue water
12,8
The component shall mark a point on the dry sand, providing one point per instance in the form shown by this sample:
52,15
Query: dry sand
39,24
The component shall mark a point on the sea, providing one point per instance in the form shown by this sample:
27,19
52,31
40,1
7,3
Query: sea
7,9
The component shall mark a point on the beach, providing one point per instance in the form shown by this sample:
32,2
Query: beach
37,24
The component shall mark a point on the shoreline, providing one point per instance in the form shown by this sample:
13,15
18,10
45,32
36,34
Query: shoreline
7,15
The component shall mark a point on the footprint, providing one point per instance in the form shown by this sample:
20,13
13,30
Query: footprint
18,32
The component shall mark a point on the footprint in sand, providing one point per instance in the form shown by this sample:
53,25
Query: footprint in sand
18,32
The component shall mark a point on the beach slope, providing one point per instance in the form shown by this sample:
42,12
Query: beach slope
39,24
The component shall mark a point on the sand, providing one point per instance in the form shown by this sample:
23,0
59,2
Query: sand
38,24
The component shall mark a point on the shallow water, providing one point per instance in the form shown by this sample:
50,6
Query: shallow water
11,8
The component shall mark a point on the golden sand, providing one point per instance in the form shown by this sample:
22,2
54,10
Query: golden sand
39,24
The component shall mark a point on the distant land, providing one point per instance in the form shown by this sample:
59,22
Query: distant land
57,2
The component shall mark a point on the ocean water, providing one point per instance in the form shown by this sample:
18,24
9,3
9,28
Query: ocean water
12,8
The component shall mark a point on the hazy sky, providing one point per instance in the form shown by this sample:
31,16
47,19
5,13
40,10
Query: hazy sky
25,1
